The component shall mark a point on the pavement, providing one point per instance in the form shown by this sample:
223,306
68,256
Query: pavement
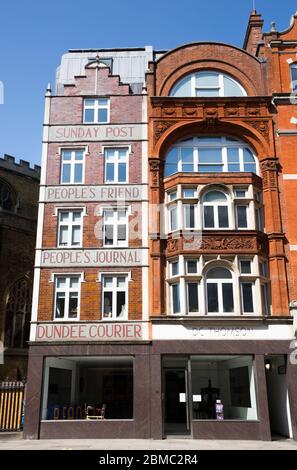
17,443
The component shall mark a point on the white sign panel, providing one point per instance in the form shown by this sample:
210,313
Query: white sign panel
102,193
184,332
93,258
182,398
103,132
121,331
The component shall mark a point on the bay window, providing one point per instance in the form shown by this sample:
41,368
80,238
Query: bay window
210,154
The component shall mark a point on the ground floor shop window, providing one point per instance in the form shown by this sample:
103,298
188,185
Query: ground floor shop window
223,387
93,388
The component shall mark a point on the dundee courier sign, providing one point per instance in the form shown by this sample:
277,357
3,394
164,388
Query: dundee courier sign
90,331
85,133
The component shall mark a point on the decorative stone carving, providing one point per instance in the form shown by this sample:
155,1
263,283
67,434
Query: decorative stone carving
169,111
155,172
253,111
269,168
231,112
260,126
189,112
228,243
160,127
172,245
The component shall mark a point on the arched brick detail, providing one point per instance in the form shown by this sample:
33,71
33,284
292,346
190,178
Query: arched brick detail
237,63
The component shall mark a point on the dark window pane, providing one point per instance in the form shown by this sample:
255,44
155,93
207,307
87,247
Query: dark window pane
121,303
223,216
245,267
234,167
250,167
122,232
187,168
227,297
108,235
190,216
122,172
192,267
242,216
8,329
109,172
212,297
66,173
247,297
107,304
73,302
78,171
193,297
102,115
210,168
171,162
175,298
89,115
60,305
208,216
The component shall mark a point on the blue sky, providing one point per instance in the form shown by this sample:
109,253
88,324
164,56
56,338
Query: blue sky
34,35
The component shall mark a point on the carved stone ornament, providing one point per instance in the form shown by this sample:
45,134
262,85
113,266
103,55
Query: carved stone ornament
260,126
227,243
172,245
160,127
270,164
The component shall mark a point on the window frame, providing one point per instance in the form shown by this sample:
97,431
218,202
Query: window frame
114,289
115,163
222,143
293,83
216,206
70,226
71,162
219,283
67,290
115,224
96,108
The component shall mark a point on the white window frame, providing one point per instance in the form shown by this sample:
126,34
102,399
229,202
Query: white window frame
177,283
185,226
220,283
115,223
224,144
114,289
96,108
247,281
70,224
192,281
247,205
215,206
72,162
171,208
220,87
115,161
67,290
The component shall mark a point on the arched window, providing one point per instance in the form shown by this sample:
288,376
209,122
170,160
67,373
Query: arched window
17,314
7,198
207,84
215,210
210,155
219,288
293,70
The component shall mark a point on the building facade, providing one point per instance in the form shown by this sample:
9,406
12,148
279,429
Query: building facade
164,287
19,186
